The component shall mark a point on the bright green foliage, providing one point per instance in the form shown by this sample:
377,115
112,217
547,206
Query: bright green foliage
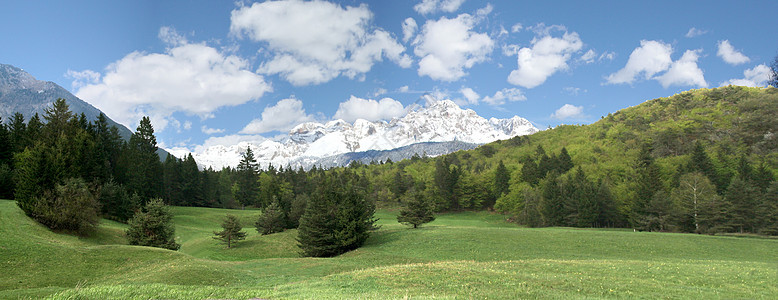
232,231
417,211
702,209
271,220
152,226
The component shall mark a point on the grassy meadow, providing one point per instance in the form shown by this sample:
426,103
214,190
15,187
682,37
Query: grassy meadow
462,255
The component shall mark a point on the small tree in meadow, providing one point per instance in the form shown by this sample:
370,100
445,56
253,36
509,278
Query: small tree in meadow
416,212
271,220
152,226
232,231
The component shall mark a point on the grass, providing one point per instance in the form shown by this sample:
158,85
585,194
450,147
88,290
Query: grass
463,255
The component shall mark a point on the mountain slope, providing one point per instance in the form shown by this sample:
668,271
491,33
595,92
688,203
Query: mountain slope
428,125
21,92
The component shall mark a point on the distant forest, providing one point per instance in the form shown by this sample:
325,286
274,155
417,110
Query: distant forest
702,161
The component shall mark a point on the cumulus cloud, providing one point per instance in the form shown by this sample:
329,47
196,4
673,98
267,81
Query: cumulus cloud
516,27
409,29
694,32
730,55
547,56
684,71
357,108
506,94
754,77
568,111
210,131
650,58
449,46
82,78
190,78
314,42
431,6
283,116
607,55
404,89
470,95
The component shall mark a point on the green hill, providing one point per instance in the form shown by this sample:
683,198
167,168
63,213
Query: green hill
469,254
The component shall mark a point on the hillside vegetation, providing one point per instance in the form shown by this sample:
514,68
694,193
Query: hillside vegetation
471,253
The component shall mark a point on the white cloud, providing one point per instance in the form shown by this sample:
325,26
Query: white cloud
314,42
607,55
283,116
431,6
470,95
357,108
187,125
403,89
82,78
191,78
171,37
754,77
684,71
516,27
210,131
409,29
650,58
588,57
568,111
509,94
547,56
730,55
694,32
449,46
573,91
229,140
378,92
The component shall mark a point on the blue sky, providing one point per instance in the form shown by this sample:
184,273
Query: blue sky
217,72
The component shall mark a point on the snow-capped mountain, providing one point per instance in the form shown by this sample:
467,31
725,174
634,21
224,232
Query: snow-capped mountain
313,143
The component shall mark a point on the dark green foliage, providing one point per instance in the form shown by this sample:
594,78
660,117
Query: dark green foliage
551,204
337,219
271,220
35,173
69,207
232,231
648,184
701,207
298,208
417,211
116,204
659,213
446,180
502,180
530,172
741,198
153,226
141,165
247,188
767,211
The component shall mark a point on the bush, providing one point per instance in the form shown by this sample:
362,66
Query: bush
69,207
116,203
152,226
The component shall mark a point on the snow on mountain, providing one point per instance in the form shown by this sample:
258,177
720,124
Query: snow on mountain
309,143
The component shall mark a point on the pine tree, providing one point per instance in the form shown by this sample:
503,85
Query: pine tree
417,211
142,165
502,180
232,231
741,197
768,211
271,220
551,203
153,226
247,192
648,184
565,162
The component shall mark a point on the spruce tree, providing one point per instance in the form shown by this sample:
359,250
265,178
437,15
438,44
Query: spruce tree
142,165
501,180
247,191
648,183
153,226
417,211
232,231
271,220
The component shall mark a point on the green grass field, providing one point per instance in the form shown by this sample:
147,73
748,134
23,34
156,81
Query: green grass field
464,255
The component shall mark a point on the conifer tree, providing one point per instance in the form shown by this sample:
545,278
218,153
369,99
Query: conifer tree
501,180
417,211
648,184
232,231
741,197
565,162
551,204
271,220
142,165
153,226
247,187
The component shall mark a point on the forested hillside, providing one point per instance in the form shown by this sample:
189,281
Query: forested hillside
699,161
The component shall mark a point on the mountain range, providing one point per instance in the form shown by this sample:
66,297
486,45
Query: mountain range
433,127
23,93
